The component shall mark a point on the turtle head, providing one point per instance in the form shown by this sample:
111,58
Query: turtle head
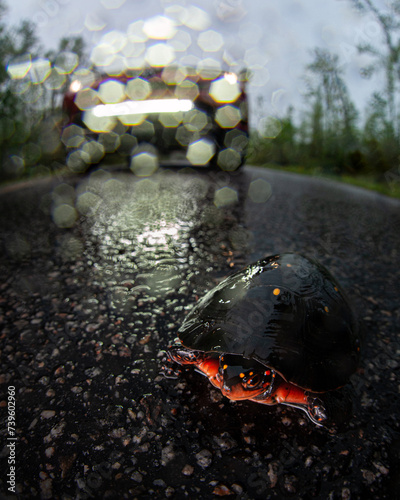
184,356
242,378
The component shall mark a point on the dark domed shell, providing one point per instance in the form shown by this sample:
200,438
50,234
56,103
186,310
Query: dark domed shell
285,311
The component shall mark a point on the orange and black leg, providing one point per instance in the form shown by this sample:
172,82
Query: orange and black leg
291,395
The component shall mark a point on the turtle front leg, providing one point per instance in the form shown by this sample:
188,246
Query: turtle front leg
176,353
207,365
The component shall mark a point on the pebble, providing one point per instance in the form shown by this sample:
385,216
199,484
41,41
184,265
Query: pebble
204,458
346,494
225,442
169,492
368,475
137,476
272,475
167,454
56,431
46,487
92,327
48,414
221,490
159,482
308,462
237,488
187,470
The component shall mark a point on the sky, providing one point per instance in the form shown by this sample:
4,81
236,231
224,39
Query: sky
273,39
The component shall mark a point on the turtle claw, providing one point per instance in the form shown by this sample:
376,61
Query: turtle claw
169,369
316,411
170,372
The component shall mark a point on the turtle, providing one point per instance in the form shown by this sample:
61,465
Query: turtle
279,331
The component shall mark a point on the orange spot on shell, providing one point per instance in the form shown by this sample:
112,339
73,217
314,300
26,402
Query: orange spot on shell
276,291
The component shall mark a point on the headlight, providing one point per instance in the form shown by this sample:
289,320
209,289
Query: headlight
75,86
231,78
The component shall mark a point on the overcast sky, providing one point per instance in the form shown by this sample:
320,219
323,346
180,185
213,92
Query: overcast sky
273,38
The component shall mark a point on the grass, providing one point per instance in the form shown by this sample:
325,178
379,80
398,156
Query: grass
388,188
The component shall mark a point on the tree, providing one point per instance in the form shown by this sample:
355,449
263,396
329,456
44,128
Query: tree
332,121
14,42
389,59
68,47
31,90
381,148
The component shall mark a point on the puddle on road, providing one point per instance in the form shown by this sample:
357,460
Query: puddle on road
150,247
147,240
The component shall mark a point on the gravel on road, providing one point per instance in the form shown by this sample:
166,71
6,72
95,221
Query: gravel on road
99,271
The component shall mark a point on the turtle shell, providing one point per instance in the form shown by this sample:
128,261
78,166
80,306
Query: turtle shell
285,311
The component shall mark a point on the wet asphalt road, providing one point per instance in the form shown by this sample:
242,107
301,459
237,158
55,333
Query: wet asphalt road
97,275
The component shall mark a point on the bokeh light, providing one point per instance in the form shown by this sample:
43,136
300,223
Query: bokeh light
159,28
194,17
88,203
229,159
55,80
225,196
73,136
210,41
66,62
159,55
144,164
177,54
86,98
260,191
200,152
94,23
228,116
98,123
111,91
110,141
18,67
64,215
225,90
39,70
138,89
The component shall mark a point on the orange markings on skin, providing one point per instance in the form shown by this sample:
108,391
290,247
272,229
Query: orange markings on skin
289,393
284,393
209,367
237,392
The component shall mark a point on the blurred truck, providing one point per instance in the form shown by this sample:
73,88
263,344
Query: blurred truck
172,114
